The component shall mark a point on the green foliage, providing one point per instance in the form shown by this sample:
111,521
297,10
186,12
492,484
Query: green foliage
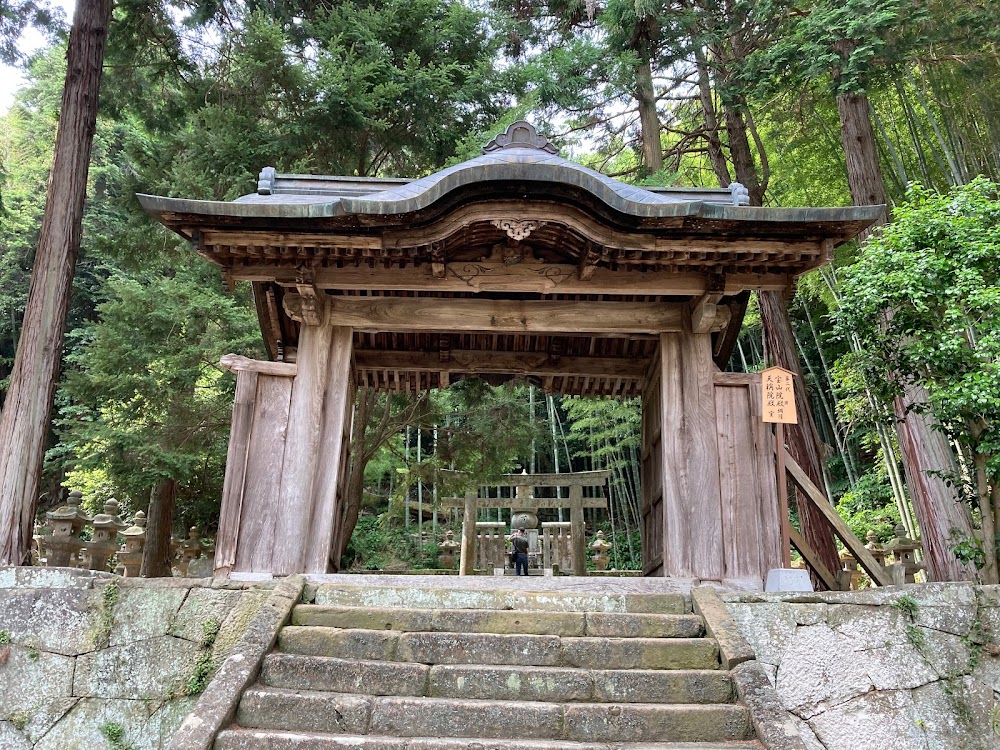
922,301
4,637
382,543
33,653
19,720
106,614
115,735
204,666
869,505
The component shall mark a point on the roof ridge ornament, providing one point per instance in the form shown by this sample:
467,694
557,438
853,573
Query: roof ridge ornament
521,134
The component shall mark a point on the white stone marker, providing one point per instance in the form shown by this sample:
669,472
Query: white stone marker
788,579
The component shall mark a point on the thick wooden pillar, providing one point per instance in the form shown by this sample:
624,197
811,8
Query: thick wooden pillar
318,416
467,563
692,498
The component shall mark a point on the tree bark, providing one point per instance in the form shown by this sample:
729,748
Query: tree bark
925,451
802,439
157,559
803,442
25,418
649,120
360,457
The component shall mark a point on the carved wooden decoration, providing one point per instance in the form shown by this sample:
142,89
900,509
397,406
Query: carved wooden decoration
310,308
517,229
493,276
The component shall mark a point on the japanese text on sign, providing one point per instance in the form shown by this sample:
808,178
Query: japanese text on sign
778,396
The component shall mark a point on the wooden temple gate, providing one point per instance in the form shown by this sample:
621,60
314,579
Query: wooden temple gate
517,263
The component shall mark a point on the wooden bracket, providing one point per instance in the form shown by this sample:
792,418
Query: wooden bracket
589,258
437,260
309,307
704,312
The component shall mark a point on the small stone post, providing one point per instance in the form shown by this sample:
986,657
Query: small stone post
446,557
104,543
67,522
131,552
600,548
903,551
190,550
849,574
874,547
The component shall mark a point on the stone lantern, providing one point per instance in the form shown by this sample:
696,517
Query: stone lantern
191,549
849,574
600,548
447,548
874,547
131,552
904,551
105,540
67,522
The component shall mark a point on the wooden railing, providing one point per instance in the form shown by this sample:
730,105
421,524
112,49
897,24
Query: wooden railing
809,492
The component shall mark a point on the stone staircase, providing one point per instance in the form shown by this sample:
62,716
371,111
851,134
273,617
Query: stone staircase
394,668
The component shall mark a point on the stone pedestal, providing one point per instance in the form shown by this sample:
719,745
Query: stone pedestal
788,579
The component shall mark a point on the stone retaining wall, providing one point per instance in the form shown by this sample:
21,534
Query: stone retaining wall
901,668
91,660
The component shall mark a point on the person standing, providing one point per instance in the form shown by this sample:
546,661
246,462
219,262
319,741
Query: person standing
520,544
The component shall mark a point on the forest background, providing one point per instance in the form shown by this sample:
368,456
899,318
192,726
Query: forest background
198,96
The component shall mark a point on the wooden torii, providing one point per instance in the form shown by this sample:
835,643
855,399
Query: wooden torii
576,502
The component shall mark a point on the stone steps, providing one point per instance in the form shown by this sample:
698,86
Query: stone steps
403,668
491,682
337,595
399,716
513,622
498,648
257,739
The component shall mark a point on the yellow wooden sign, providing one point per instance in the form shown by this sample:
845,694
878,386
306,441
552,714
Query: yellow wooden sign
778,396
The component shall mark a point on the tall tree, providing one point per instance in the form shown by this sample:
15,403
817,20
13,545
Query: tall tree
25,417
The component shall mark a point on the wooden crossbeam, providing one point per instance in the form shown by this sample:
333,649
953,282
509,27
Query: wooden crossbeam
601,281
374,314
870,565
513,363
514,503
812,560
582,478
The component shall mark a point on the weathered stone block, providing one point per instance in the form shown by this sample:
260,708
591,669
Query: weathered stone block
142,613
61,620
82,726
45,714
11,738
304,711
479,648
662,686
640,653
296,672
768,628
638,723
875,721
343,644
372,618
621,625
199,606
819,668
509,683
144,670
31,677
432,717
956,714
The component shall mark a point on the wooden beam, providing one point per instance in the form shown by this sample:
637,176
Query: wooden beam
533,503
237,363
376,314
870,565
813,560
703,312
530,277
514,363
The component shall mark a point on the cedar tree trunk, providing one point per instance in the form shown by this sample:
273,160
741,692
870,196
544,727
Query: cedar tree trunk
25,418
925,451
649,120
157,558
